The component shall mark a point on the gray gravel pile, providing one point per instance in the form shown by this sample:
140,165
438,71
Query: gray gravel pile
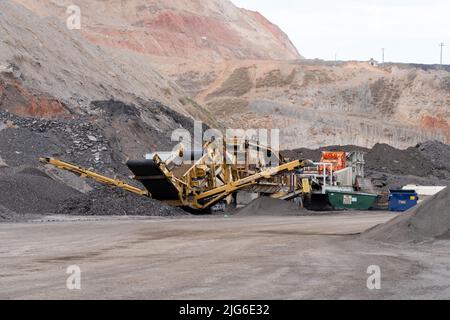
266,206
388,181
428,221
77,141
388,159
108,201
6,214
32,192
125,125
439,155
27,190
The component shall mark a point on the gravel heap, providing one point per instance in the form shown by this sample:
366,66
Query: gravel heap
438,154
25,189
109,201
6,214
266,206
428,221
28,139
32,192
29,191
388,159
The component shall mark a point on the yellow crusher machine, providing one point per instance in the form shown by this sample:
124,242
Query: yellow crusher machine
222,169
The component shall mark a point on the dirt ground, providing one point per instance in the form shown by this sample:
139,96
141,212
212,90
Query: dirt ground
216,258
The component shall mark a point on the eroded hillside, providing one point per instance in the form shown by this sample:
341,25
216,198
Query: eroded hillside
199,29
317,103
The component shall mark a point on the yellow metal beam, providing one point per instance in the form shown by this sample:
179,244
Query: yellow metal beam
93,175
242,183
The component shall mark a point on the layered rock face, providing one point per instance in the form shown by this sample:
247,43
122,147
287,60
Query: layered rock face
319,104
196,29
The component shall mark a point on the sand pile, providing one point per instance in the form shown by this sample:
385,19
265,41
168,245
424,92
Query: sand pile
109,201
266,206
430,220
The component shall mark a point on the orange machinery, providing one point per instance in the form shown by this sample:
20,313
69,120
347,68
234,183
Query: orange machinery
337,159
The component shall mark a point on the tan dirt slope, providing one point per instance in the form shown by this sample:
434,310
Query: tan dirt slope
199,29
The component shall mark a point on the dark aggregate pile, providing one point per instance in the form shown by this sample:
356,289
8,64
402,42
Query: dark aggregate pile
428,221
32,192
123,123
439,155
411,161
114,108
94,141
266,206
109,201
78,141
100,140
6,214
26,189
386,181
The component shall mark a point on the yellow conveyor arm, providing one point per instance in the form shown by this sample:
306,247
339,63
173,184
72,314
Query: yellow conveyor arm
84,173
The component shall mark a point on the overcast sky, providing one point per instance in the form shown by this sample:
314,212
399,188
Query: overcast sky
409,30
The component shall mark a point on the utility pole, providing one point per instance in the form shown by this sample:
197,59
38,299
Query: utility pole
442,45
382,52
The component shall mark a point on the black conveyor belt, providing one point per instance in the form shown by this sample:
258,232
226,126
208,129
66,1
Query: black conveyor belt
153,179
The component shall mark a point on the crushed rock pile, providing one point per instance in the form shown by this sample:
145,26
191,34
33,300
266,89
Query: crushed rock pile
438,154
78,141
109,201
266,206
430,220
6,214
30,191
411,161
27,190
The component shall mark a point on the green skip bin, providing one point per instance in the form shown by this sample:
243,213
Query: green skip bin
351,200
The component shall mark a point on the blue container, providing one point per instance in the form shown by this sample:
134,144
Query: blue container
402,200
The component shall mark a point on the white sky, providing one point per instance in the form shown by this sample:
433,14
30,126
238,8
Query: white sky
409,30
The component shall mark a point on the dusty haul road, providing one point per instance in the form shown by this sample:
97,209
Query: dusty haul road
216,258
